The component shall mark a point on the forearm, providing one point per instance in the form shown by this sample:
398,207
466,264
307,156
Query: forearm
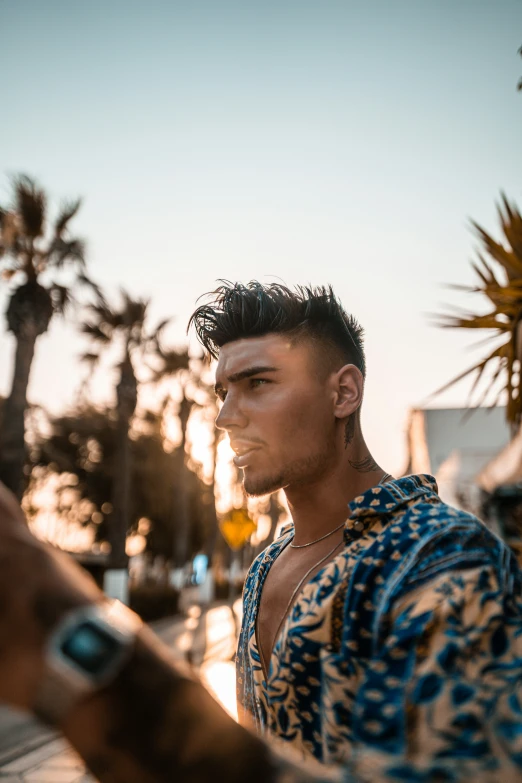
155,724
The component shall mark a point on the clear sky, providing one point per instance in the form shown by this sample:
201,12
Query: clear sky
326,142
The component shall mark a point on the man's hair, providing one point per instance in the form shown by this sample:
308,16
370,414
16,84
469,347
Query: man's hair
237,311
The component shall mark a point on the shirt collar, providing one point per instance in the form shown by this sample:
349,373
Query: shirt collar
381,500
385,498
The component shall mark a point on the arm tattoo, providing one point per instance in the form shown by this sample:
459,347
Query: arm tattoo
366,465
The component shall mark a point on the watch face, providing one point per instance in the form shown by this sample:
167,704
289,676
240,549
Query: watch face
90,648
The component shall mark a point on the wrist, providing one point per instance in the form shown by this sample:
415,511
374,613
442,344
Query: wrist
84,654
156,722
52,587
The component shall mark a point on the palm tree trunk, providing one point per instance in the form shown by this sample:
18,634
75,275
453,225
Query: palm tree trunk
120,521
182,528
12,433
212,538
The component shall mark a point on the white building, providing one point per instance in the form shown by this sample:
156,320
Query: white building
505,469
454,445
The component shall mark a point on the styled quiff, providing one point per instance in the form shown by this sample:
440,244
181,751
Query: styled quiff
235,311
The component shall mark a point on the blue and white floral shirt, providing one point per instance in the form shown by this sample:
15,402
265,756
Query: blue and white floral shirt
401,658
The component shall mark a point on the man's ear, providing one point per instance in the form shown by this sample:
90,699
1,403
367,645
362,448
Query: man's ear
348,390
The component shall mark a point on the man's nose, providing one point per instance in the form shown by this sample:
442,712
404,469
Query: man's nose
231,415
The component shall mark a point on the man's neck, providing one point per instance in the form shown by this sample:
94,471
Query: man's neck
323,505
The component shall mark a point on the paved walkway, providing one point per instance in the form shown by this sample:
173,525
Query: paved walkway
207,637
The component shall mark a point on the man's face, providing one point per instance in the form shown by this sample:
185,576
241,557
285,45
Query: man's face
277,410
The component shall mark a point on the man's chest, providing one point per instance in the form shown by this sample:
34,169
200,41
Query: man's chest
282,588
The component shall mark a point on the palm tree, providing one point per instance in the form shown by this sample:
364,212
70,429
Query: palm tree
203,397
182,527
35,257
127,325
499,269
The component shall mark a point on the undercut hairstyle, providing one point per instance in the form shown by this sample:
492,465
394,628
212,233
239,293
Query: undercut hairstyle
236,311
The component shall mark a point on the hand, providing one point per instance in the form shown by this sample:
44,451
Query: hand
38,585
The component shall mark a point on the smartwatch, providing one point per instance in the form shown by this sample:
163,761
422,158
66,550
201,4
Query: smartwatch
85,652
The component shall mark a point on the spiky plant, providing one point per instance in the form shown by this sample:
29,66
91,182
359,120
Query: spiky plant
499,272
34,256
127,325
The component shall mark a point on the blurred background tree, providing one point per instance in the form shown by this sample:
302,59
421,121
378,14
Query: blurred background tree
126,327
78,455
34,257
110,480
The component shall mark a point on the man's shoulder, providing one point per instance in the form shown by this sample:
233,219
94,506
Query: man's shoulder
431,518
432,537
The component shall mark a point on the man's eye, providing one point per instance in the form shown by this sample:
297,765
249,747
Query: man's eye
255,382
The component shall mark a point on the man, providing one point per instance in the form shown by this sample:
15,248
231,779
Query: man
385,642
381,619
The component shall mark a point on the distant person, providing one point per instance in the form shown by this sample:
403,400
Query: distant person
382,633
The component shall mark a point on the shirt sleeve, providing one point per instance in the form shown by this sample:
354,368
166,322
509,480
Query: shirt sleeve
439,697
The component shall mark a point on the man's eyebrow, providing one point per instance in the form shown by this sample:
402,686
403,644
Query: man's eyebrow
248,372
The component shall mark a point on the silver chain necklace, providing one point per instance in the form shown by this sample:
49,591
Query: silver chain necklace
302,546
385,478
290,602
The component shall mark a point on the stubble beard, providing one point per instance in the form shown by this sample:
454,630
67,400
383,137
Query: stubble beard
300,473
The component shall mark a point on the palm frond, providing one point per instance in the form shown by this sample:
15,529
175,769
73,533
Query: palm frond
483,341
84,280
468,289
511,222
488,268
171,362
68,211
62,252
103,313
134,311
506,258
31,205
95,332
471,321
161,327
90,358
479,367
502,365
61,297
499,353
483,274
10,232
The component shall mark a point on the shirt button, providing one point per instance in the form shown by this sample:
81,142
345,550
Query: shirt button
358,526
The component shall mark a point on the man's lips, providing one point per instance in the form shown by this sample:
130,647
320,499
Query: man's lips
242,460
243,450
